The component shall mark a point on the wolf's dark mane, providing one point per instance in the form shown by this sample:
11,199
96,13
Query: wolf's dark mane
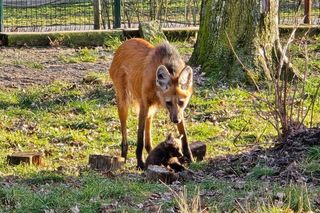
171,54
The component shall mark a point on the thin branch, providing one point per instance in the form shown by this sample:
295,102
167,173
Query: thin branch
238,135
269,104
275,126
238,59
262,133
292,104
312,103
300,109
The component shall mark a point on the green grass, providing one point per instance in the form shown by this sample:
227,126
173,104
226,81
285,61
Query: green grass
68,123
82,55
53,118
260,171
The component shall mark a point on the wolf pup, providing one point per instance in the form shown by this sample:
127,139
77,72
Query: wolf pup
150,77
167,154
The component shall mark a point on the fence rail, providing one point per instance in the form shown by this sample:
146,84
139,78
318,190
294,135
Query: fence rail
63,15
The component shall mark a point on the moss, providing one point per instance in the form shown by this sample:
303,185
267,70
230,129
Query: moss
73,39
180,34
247,30
86,38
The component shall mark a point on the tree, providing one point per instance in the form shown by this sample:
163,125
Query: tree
250,27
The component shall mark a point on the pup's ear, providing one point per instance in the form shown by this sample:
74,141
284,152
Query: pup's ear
186,78
163,78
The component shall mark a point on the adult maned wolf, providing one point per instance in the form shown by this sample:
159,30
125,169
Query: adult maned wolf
150,77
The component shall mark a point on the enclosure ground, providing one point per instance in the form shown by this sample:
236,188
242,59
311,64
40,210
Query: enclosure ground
23,67
60,101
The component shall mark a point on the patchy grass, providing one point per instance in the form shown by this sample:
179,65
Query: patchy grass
112,43
70,121
260,171
82,55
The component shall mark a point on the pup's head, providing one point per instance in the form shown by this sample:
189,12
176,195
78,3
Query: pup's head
173,146
174,91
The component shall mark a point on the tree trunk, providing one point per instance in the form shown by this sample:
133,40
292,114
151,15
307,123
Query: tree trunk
252,29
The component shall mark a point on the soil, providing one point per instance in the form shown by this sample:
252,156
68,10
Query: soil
16,69
283,159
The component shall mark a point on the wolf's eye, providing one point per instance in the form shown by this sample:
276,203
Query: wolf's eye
169,103
180,103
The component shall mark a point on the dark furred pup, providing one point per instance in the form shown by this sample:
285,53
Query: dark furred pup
167,154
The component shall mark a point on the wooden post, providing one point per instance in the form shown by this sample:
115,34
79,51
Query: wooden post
307,11
152,10
97,14
117,14
1,16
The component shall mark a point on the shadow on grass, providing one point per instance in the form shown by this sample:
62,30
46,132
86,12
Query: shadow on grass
89,192
43,99
281,163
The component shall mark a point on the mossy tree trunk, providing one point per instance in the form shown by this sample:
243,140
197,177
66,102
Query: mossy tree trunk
252,28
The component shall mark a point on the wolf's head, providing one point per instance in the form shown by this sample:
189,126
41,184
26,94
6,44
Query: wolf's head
174,82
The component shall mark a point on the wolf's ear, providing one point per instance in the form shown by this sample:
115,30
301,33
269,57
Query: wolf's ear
163,78
186,78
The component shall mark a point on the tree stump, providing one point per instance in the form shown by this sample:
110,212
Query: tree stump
25,157
160,173
151,31
105,162
198,150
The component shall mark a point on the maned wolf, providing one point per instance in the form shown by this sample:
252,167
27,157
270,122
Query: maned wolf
167,154
150,77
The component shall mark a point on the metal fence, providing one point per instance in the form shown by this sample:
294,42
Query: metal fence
294,12
63,15
46,15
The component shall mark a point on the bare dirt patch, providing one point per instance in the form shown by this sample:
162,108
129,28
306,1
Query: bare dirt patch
23,67
281,163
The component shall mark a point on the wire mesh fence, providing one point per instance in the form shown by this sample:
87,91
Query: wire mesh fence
178,13
47,15
63,15
293,12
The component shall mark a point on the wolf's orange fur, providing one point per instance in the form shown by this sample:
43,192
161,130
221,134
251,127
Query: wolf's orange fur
151,77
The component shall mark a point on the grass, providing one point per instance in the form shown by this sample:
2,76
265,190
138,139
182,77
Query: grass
260,171
82,55
68,123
